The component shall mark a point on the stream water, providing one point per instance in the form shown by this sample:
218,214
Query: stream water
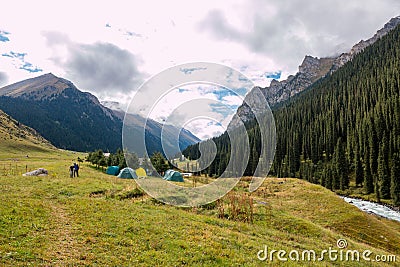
374,208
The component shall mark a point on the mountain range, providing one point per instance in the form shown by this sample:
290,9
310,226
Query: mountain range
311,70
72,119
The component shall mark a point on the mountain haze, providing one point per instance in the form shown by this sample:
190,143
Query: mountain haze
153,132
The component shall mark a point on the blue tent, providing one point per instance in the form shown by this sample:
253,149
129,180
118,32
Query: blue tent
127,173
112,170
173,176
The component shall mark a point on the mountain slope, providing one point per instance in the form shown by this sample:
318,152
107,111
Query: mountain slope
69,118
16,137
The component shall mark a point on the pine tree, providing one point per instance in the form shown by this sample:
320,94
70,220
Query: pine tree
368,180
383,175
395,180
358,169
159,162
341,165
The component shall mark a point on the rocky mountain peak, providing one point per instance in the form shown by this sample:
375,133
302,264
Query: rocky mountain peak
309,64
360,46
40,87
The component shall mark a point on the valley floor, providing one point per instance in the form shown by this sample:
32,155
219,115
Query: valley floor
96,220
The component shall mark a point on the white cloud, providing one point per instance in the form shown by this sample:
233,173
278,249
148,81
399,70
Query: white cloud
206,110
232,100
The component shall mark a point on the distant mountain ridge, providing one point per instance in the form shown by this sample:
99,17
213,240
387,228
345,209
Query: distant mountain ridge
153,131
311,70
72,119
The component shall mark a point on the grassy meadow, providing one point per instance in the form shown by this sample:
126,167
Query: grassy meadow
100,220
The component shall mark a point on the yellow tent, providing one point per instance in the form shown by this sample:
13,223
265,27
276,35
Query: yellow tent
140,172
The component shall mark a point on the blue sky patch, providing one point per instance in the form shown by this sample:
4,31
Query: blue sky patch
23,65
3,36
273,75
30,68
182,90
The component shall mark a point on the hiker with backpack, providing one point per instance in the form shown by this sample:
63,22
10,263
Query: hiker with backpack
76,169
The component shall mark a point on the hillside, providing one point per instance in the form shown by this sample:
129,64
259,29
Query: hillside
343,130
18,138
100,220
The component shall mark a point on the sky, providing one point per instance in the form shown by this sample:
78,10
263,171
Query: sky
110,48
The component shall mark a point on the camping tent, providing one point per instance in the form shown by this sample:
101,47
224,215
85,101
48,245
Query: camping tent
140,172
174,176
112,170
127,173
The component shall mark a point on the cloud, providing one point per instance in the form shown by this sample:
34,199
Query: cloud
232,100
3,78
102,68
286,31
190,70
216,105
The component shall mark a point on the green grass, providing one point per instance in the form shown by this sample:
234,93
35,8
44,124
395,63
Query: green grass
99,220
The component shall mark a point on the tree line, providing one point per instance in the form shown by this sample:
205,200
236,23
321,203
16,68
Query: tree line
121,158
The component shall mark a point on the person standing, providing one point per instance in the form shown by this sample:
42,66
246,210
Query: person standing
71,171
76,169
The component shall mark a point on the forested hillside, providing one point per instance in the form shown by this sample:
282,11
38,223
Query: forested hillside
344,127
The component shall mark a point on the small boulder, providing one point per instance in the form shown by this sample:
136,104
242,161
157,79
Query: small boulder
38,172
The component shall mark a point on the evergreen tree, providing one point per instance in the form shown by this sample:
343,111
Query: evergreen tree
358,169
383,175
395,180
159,162
341,165
368,180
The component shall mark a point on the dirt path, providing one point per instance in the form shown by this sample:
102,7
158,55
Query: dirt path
65,251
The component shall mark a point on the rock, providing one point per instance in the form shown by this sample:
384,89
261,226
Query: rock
38,172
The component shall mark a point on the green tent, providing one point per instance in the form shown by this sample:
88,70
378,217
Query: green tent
173,176
112,170
127,173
